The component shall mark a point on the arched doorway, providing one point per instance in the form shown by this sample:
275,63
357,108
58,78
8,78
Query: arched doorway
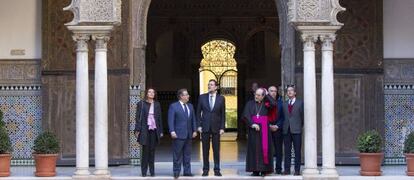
218,63
185,34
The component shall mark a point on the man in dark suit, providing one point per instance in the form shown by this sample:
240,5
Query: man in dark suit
183,127
211,116
276,119
292,129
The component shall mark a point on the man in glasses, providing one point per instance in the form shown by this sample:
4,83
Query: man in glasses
183,127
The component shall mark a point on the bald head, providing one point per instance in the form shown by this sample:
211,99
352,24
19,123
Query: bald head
259,94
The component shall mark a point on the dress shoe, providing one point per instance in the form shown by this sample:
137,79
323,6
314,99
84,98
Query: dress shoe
286,173
278,171
297,173
217,173
205,173
188,175
255,174
176,176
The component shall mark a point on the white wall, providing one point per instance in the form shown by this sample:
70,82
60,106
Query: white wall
20,22
398,28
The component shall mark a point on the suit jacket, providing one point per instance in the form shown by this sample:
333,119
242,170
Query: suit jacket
293,120
179,122
141,120
211,120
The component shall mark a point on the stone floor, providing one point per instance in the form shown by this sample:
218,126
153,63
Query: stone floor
229,170
233,154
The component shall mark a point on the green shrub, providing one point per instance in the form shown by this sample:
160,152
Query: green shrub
5,143
46,143
2,123
409,143
370,142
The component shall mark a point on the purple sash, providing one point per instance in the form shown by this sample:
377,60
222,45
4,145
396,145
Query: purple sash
262,120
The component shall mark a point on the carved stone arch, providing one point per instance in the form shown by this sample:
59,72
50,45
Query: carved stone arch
140,14
215,35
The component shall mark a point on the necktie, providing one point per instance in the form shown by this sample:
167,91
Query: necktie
211,103
186,110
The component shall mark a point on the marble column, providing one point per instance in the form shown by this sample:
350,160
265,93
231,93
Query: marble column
82,105
101,105
309,93
328,113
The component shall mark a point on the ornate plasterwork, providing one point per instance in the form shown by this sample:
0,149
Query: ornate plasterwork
95,12
322,12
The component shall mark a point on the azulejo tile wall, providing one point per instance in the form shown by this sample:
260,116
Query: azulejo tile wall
399,120
134,150
21,107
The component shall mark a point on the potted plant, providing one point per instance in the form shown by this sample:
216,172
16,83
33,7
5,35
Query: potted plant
46,148
371,155
409,153
5,149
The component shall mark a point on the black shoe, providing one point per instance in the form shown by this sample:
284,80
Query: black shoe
255,174
152,174
278,171
297,173
286,173
217,173
205,173
188,175
263,174
144,175
176,176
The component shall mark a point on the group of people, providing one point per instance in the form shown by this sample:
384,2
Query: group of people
273,126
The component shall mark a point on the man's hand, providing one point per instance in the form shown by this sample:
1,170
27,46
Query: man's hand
221,131
136,134
267,92
194,134
200,129
161,135
274,128
255,126
173,135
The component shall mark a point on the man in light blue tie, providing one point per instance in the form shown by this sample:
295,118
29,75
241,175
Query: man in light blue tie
182,126
211,118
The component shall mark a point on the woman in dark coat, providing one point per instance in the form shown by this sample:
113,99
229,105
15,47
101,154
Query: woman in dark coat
148,129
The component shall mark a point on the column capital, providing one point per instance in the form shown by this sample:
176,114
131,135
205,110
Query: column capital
309,41
81,37
81,42
327,41
101,40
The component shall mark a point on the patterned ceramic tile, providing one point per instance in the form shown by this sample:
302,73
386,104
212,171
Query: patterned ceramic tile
133,145
399,122
22,114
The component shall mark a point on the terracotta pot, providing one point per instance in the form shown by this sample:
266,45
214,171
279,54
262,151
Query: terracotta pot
45,164
371,164
409,158
5,165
